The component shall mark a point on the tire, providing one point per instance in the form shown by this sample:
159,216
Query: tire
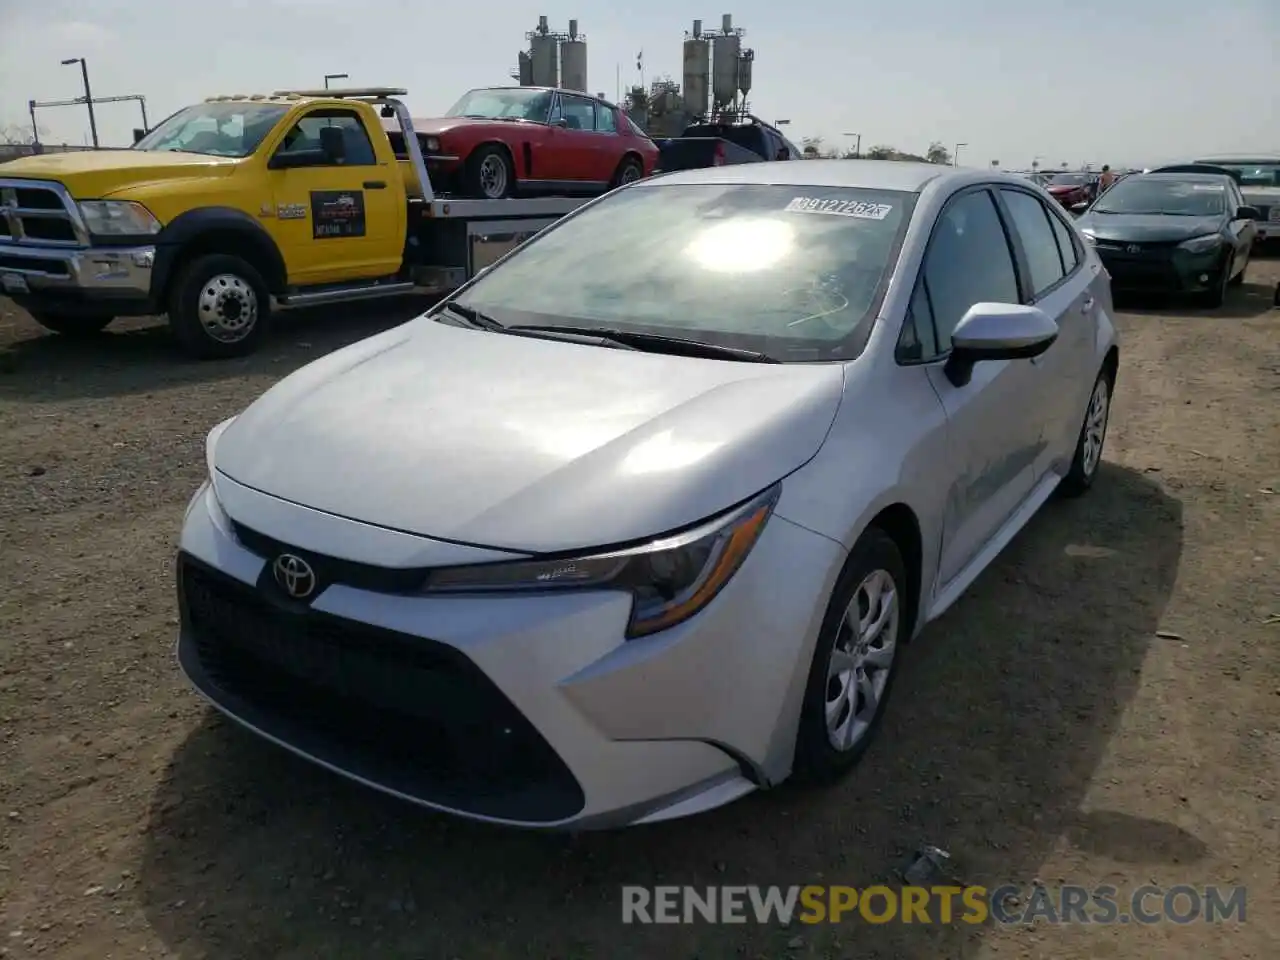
219,307
71,324
629,171
489,174
825,751
1093,435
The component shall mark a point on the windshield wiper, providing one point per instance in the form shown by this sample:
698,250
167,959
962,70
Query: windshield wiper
652,342
474,317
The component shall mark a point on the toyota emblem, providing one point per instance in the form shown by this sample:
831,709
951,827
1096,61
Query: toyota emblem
294,575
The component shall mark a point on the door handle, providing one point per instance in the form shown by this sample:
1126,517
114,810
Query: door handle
375,184
1087,305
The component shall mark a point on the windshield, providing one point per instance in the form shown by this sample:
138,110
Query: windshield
1068,180
1255,174
1179,198
788,271
216,129
504,104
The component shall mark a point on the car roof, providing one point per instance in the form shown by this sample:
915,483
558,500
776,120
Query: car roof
901,175
1245,159
572,93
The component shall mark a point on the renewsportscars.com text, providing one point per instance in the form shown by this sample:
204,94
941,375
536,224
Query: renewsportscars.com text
1008,904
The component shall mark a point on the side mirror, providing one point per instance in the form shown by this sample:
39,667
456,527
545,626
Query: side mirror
998,331
1248,213
289,159
138,134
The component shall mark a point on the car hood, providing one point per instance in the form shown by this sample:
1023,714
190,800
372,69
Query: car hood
1138,228
96,173
525,444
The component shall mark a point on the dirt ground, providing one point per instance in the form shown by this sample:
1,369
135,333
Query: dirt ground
1102,707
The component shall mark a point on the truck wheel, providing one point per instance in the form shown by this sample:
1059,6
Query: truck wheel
219,307
629,171
70,324
489,175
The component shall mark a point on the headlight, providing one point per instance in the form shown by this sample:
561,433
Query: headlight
670,579
211,441
117,218
431,144
1201,244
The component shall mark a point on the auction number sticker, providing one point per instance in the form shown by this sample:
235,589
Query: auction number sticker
840,208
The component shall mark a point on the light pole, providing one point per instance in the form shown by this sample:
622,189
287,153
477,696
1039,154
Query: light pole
857,144
955,156
781,123
88,95
333,76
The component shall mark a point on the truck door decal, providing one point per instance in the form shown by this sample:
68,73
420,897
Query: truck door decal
337,213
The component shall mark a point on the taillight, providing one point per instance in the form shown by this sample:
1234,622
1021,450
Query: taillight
718,159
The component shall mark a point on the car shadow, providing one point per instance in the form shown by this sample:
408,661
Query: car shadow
138,356
1250,299
1001,716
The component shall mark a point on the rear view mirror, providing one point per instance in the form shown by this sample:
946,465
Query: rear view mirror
138,134
998,331
1248,213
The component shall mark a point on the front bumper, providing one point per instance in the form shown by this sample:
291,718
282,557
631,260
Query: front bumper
527,711
118,278
1161,270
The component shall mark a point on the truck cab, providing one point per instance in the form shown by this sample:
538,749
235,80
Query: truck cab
240,206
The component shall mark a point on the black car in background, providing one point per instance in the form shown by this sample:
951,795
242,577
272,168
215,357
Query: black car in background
1173,232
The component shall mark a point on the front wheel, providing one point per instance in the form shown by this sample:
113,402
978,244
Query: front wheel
71,324
1093,434
489,174
855,660
219,307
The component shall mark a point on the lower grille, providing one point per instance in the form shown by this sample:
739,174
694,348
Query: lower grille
407,714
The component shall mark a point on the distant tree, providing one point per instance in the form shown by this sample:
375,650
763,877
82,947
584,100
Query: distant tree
811,147
937,153
882,152
20,134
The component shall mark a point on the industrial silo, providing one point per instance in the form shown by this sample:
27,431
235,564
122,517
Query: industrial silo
697,71
545,60
524,72
724,64
573,60
745,59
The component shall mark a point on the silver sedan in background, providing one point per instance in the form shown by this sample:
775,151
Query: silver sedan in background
640,519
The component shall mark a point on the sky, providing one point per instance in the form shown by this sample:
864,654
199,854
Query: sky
1125,82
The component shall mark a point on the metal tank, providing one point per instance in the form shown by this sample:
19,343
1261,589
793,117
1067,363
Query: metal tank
524,71
573,60
724,64
697,71
545,57
745,59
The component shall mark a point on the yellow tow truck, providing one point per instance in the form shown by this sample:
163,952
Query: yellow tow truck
241,206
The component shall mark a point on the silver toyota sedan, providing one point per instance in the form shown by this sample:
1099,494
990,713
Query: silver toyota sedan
640,519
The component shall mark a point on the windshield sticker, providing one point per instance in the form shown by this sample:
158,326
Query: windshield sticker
840,208
1214,187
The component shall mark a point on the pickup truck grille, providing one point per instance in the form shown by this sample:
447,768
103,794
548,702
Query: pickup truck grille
36,213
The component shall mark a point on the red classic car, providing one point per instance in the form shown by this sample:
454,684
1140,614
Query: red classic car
503,141
1070,189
